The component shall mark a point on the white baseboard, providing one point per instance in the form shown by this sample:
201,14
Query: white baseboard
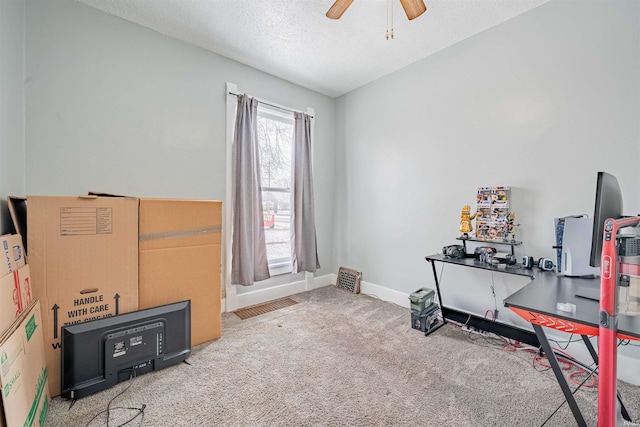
380,292
385,294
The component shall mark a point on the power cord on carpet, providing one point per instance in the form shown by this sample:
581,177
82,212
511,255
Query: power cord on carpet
140,411
568,342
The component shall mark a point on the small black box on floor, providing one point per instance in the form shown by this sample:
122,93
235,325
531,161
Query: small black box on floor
426,319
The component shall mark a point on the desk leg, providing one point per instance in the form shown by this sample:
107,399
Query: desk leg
594,356
435,278
562,381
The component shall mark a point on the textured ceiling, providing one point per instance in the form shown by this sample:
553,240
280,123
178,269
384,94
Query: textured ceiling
293,39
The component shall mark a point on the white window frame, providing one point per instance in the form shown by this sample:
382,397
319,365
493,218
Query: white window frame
231,296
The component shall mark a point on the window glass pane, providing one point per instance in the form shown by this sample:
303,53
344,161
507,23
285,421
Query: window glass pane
275,135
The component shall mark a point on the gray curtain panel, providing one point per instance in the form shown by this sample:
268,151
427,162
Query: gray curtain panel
249,251
304,244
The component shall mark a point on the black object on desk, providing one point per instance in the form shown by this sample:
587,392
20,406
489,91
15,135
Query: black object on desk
589,293
488,242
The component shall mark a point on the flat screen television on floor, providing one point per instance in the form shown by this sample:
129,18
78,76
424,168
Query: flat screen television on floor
101,353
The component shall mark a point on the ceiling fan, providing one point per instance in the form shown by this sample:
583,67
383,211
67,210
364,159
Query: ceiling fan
413,8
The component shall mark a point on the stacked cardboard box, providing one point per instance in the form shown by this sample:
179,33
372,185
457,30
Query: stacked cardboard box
98,256
23,370
179,259
83,254
15,285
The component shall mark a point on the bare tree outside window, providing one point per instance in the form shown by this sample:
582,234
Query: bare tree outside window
275,136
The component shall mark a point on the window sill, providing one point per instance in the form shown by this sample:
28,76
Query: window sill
280,269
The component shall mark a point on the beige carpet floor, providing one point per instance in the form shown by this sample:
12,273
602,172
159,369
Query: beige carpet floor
339,359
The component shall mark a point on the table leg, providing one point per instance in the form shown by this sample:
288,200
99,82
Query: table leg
562,381
594,356
435,278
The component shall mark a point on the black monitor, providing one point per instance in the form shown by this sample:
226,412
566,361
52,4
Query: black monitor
101,353
608,205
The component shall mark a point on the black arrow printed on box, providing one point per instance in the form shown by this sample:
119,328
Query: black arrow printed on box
55,320
56,307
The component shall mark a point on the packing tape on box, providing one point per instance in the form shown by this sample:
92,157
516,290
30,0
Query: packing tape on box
179,233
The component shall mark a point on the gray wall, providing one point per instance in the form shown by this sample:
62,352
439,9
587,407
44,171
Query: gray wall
539,103
12,162
115,107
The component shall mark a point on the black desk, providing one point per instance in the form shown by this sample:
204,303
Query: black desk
500,328
536,303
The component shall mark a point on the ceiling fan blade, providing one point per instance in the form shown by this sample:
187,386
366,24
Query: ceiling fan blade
338,8
413,8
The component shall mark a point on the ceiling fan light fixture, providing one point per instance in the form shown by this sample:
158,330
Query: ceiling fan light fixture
413,8
338,8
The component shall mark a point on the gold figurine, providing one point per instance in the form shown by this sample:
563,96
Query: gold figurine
465,220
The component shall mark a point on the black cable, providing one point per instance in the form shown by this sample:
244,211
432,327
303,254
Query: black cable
132,375
533,362
493,291
140,410
568,342
493,341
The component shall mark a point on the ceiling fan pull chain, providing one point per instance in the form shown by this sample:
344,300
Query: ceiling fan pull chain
387,35
391,1
389,7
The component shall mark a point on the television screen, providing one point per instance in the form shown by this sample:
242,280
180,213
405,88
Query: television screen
100,353
608,205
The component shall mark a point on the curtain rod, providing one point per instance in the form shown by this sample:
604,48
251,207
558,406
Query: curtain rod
280,107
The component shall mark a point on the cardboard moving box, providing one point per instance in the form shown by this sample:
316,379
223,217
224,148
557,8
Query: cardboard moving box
23,371
179,258
15,295
13,256
83,257
97,256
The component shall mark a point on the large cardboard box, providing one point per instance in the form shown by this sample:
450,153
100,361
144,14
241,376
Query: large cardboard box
12,253
23,371
179,258
83,255
15,296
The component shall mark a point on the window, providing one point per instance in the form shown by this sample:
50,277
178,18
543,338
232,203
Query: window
275,139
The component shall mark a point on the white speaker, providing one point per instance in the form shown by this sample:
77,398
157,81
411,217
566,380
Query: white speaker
576,247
